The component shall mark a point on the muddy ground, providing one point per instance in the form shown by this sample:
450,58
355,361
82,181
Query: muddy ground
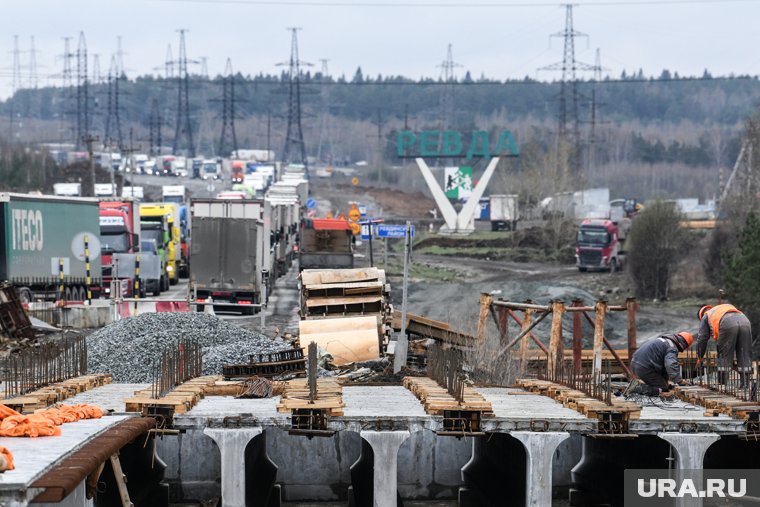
446,285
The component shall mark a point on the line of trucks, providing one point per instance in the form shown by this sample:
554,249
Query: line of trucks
230,249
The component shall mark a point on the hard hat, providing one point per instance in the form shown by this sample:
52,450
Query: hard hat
703,310
688,337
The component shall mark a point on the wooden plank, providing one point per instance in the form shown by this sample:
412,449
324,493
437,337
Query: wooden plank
342,301
335,276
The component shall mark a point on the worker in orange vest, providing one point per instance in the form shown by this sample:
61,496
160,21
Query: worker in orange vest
732,331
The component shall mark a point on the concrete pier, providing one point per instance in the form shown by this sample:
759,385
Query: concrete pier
232,444
385,446
690,449
540,449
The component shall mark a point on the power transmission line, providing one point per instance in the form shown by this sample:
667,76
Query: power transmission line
594,121
183,128
83,98
479,5
295,149
67,101
32,64
154,124
323,124
15,87
119,58
228,139
569,121
96,78
113,117
447,67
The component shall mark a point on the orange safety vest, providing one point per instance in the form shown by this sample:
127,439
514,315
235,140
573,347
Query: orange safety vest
715,314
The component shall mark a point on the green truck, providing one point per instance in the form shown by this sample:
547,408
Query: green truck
44,235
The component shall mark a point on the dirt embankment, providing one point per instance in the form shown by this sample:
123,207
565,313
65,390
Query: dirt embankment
394,203
534,244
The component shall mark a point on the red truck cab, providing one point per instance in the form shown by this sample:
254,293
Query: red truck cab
117,235
238,171
599,246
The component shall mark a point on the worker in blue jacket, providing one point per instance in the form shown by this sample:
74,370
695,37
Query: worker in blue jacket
656,363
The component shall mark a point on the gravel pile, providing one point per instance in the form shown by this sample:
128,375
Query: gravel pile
127,348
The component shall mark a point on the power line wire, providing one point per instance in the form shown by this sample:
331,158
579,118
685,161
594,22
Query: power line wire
603,3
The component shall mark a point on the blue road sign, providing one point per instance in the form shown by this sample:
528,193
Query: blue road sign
311,203
363,210
392,231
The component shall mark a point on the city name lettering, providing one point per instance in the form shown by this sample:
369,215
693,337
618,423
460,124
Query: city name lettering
454,144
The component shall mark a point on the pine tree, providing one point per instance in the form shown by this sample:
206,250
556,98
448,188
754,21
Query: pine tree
743,276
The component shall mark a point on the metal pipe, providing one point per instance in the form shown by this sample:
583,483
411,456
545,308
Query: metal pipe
522,306
533,336
523,333
614,353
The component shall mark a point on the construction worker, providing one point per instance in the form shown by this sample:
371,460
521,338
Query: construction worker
732,331
656,364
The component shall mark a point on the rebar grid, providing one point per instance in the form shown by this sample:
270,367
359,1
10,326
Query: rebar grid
53,361
312,368
177,365
598,386
706,372
445,367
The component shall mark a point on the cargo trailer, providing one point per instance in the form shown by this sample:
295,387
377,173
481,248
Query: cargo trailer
44,236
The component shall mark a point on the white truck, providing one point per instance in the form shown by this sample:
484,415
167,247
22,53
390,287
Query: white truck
105,190
173,193
67,189
211,170
503,212
130,191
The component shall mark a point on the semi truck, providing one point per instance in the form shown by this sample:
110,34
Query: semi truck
67,189
160,222
119,234
105,190
237,171
132,191
211,170
173,193
44,236
177,195
501,211
228,253
325,243
600,245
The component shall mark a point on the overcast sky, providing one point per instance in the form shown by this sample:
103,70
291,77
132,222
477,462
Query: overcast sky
508,40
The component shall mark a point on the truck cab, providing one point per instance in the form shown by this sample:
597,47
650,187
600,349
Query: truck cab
599,246
173,193
149,247
117,236
211,170
167,166
238,171
158,221
324,243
